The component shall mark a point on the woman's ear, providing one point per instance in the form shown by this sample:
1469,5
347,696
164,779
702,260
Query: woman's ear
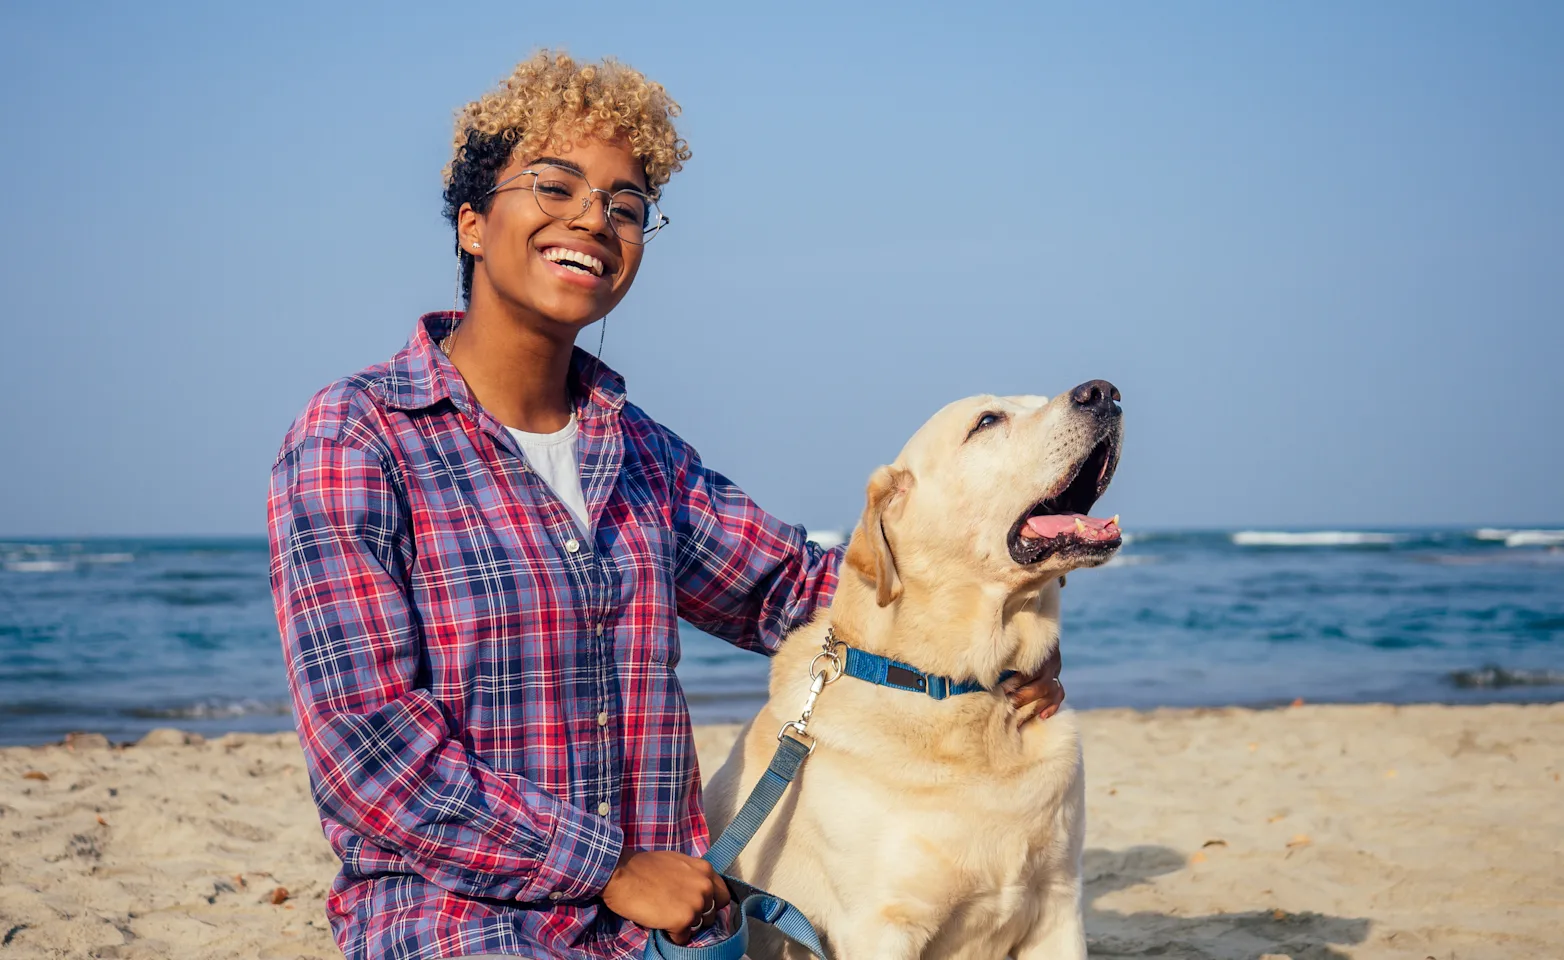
469,230
869,551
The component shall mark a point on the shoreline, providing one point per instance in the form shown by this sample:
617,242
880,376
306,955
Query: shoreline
1227,833
1480,694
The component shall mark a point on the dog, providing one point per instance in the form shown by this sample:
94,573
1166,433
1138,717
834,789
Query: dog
933,829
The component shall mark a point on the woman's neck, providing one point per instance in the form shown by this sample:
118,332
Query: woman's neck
515,371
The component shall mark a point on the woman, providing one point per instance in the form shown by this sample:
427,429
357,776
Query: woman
480,552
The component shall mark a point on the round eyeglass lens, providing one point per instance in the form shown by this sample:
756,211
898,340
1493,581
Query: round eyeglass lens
565,195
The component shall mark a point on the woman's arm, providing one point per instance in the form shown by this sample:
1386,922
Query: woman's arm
381,753
749,578
741,573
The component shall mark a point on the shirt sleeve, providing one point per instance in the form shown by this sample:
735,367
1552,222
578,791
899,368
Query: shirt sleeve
382,756
741,573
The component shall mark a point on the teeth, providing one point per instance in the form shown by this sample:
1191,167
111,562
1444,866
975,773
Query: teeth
1115,520
566,255
1079,526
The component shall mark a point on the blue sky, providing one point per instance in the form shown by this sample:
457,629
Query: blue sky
1316,245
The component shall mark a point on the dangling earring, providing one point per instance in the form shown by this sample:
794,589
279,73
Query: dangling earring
597,358
456,299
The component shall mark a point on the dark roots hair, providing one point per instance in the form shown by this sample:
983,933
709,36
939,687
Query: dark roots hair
473,174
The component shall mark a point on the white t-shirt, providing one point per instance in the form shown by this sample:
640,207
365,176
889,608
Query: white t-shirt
552,456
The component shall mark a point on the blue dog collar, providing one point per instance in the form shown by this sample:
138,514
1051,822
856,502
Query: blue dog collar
885,672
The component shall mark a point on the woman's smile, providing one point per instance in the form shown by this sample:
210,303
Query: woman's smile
577,262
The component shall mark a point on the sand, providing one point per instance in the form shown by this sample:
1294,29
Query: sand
1309,832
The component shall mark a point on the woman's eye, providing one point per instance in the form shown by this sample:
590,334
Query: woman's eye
553,189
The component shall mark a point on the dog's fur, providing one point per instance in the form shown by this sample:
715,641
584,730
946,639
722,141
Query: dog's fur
922,828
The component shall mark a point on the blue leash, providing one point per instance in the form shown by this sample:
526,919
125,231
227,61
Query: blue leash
754,902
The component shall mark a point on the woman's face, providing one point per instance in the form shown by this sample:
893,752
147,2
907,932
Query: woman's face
519,248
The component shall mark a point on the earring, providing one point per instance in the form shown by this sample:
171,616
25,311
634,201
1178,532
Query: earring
597,358
456,300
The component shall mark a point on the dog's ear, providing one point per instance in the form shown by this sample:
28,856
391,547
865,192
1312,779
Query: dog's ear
869,551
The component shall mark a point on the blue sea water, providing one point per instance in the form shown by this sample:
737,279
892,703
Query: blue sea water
122,636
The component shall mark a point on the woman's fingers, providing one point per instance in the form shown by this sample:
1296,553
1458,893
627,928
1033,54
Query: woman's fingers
723,896
668,891
1043,688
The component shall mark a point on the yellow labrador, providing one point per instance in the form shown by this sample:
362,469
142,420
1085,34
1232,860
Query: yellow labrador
942,829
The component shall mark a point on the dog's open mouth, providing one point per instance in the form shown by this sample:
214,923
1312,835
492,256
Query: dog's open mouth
1059,524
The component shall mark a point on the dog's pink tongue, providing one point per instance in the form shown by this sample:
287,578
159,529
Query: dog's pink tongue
1074,524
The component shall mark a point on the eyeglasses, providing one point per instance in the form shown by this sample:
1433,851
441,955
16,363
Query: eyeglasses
564,194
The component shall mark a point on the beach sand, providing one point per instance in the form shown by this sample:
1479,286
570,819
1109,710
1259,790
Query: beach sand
1308,832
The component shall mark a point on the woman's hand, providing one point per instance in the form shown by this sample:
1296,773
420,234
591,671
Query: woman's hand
1045,689
667,891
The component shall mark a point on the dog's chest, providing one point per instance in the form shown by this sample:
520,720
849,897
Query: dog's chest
964,854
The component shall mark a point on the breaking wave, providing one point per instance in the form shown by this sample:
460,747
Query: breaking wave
1317,538
213,709
1522,538
1494,677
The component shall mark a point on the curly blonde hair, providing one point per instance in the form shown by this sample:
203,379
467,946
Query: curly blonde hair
551,97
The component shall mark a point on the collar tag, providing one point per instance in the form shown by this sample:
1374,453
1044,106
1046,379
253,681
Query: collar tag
899,676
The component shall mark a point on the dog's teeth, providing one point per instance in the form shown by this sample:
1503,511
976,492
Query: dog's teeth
1115,520
1079,526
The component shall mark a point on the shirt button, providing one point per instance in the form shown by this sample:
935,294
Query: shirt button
600,629
572,545
556,895
602,719
603,808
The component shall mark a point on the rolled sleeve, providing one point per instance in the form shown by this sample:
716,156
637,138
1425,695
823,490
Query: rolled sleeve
742,574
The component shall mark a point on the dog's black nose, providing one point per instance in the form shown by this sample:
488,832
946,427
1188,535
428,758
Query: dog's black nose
1096,396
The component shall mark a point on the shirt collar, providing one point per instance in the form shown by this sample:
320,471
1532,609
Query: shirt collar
421,375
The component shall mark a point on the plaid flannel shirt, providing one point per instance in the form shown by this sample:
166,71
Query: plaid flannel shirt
486,697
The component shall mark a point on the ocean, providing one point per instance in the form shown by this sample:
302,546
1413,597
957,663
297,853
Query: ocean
121,636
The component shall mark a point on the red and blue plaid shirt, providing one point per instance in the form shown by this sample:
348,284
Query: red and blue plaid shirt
485,696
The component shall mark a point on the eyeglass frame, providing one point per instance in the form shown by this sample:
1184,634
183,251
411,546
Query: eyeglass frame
608,196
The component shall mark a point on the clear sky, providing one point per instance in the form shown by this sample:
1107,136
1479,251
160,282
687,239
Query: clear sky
1319,247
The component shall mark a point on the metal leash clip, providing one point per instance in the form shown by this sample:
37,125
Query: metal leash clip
826,667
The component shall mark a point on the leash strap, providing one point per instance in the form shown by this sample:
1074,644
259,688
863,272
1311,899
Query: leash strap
791,751
762,800
873,668
753,901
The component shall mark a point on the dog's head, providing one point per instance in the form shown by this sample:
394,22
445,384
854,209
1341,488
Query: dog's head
994,491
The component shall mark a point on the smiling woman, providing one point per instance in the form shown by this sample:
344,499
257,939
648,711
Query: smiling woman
550,104
480,555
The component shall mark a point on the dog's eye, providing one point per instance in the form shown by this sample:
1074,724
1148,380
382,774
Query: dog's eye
985,421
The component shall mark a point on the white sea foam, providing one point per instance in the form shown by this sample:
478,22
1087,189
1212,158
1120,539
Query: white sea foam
1534,538
108,557
1317,538
1133,560
214,709
827,538
39,566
